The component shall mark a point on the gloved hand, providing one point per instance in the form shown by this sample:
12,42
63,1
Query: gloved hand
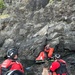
51,59
48,58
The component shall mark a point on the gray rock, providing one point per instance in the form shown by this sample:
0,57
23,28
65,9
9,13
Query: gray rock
34,24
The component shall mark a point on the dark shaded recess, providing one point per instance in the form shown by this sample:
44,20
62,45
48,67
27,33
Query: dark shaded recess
37,4
60,45
2,40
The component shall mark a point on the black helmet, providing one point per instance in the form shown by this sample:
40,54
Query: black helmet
12,52
57,56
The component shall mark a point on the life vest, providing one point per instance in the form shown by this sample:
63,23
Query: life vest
41,56
49,52
6,65
62,70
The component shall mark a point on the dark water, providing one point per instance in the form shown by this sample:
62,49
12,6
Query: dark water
28,66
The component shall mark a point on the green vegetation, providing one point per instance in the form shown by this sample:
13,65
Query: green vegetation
51,1
1,4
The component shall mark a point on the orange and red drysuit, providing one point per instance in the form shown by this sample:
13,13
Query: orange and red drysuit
55,67
12,65
47,53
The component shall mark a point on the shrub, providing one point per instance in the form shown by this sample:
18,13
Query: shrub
51,1
1,4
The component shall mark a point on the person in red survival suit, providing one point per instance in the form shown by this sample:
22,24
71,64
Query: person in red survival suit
11,62
58,67
49,50
47,53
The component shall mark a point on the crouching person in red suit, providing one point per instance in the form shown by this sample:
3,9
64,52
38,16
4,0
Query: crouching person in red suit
11,64
58,67
46,53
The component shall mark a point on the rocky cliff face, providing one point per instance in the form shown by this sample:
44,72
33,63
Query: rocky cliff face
31,24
